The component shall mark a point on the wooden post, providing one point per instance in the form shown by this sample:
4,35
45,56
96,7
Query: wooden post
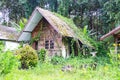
116,40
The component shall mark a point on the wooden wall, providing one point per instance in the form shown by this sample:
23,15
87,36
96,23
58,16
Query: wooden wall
47,32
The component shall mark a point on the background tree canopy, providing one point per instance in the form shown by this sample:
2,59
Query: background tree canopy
99,15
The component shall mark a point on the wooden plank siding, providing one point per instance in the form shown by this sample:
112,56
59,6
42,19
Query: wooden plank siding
47,33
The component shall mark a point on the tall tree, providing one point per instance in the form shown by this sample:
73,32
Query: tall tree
15,9
99,15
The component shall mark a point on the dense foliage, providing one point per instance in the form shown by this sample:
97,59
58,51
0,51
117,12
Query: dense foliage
57,60
28,57
8,61
100,15
81,68
41,54
96,17
1,46
105,68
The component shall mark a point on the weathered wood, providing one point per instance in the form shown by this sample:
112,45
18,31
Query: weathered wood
116,39
48,33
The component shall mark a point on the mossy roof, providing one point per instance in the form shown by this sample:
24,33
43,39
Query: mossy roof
62,25
78,32
8,33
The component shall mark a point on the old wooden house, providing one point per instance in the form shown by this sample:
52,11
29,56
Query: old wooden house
9,35
52,32
114,36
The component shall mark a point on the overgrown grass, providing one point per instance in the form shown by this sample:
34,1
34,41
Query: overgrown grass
50,71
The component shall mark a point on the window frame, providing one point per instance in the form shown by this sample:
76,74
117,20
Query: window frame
49,44
46,44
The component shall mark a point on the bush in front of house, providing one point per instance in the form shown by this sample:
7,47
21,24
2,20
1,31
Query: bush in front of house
28,57
57,60
41,54
8,62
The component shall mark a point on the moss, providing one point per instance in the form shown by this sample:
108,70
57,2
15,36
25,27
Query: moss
78,33
8,35
11,36
60,27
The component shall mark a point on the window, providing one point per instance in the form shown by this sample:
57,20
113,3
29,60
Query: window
49,44
46,44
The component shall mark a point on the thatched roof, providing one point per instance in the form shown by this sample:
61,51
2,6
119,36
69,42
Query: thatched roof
62,25
8,33
111,33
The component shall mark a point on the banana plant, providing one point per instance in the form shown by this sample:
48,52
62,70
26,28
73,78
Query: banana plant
20,25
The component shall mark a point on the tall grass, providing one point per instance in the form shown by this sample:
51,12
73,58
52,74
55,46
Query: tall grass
104,70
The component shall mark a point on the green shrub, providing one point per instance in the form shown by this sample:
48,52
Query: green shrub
41,54
8,62
1,46
102,50
58,60
28,57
